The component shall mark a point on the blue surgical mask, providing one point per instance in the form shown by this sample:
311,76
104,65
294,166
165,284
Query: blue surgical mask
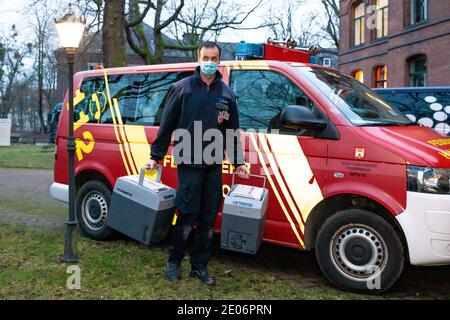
209,68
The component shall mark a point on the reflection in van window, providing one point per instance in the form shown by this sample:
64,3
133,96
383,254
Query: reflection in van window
151,96
262,95
138,98
94,103
120,89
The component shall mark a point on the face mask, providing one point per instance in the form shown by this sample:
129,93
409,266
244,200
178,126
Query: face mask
209,68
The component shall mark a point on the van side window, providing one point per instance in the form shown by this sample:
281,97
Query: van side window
151,96
262,95
94,102
121,90
138,98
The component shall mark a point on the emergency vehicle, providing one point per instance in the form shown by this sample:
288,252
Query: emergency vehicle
349,175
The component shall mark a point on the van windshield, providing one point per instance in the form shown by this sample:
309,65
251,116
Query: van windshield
360,105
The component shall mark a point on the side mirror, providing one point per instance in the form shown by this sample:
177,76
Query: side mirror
298,117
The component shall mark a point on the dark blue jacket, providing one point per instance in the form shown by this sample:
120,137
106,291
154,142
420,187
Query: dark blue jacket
192,100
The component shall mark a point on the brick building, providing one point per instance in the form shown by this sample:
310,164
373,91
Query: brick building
396,43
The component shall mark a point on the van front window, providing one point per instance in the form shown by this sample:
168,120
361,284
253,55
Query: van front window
360,105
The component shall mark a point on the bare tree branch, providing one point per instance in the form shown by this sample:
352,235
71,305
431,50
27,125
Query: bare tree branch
149,6
172,18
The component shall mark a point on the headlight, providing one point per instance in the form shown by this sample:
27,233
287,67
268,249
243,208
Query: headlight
428,180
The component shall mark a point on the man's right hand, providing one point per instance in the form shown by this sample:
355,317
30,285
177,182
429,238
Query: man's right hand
151,164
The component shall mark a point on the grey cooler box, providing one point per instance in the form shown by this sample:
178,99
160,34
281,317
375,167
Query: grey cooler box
243,220
142,208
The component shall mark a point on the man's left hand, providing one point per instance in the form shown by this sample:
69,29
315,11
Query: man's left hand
243,172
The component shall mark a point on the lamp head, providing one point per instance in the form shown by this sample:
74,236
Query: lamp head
70,30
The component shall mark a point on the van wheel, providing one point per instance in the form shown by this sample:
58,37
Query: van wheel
359,251
92,207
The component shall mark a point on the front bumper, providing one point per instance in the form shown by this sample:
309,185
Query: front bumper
426,224
60,192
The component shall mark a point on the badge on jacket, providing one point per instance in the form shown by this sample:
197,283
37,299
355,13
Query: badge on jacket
223,108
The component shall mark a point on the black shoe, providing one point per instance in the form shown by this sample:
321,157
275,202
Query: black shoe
203,276
173,271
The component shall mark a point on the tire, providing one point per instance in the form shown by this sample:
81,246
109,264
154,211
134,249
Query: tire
92,208
359,251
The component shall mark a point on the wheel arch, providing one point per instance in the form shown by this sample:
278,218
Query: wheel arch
89,175
330,206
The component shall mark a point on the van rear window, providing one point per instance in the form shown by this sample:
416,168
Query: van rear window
136,99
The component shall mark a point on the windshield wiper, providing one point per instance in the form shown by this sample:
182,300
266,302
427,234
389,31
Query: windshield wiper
389,124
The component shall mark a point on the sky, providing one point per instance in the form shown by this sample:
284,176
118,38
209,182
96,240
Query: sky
11,13
8,12
257,36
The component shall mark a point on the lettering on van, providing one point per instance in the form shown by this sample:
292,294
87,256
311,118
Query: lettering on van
82,147
358,169
439,142
442,143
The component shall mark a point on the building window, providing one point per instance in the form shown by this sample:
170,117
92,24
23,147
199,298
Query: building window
358,24
419,11
418,71
382,18
381,77
326,62
358,75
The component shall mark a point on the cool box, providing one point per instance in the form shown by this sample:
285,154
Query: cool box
142,208
243,218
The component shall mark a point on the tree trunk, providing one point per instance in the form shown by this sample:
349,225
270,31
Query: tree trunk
140,46
114,49
159,46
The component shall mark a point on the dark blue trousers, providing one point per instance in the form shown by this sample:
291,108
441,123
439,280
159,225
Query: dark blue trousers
198,200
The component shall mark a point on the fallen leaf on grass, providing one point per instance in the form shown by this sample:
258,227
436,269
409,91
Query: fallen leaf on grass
229,272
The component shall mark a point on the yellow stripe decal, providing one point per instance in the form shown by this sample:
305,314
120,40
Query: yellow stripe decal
115,124
124,138
254,65
228,67
275,191
140,148
124,160
280,181
77,98
296,171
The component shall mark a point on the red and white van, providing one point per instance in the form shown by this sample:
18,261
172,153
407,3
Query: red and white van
349,175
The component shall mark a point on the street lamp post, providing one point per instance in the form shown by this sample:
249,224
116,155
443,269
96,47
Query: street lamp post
70,29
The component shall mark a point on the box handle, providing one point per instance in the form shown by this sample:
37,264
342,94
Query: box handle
142,175
251,175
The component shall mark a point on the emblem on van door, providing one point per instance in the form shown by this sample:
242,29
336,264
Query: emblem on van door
360,153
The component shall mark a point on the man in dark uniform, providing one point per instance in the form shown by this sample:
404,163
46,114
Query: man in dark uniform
194,105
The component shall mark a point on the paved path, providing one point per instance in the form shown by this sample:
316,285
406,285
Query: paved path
25,200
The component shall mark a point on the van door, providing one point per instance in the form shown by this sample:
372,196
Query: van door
294,162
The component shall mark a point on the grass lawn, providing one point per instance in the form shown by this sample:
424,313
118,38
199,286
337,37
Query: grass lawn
26,156
121,269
